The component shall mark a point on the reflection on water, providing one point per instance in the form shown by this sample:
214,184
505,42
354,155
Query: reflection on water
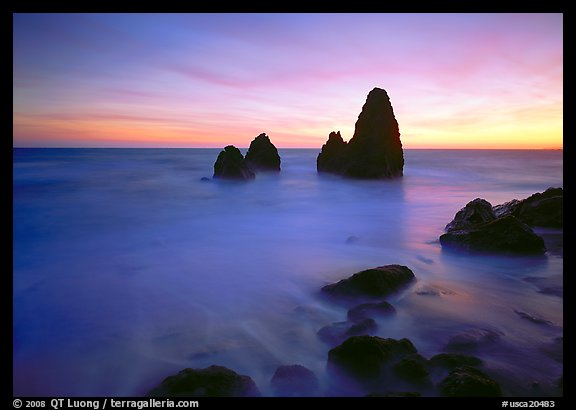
128,268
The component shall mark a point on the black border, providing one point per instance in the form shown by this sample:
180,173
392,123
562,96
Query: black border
462,6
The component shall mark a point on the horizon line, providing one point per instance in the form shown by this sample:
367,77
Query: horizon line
310,148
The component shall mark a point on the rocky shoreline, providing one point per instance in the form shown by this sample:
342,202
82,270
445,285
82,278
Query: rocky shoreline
356,356
378,366
506,228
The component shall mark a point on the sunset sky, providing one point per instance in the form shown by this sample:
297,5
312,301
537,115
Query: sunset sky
209,80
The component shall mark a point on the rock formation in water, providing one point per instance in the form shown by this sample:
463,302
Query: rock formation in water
475,212
213,381
375,150
263,155
543,209
452,360
371,283
502,235
477,227
506,228
294,381
333,155
366,358
413,368
467,381
231,164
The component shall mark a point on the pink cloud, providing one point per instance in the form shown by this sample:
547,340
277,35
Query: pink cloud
300,76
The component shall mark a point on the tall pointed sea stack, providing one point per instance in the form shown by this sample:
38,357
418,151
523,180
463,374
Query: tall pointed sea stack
263,155
375,150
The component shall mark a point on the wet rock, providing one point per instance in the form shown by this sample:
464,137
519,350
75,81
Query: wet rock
507,208
365,357
371,283
337,332
453,360
294,380
230,164
412,368
475,212
472,338
502,235
213,381
467,381
506,227
542,209
263,155
368,310
375,150
480,227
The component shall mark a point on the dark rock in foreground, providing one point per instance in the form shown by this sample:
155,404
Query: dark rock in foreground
230,164
375,150
365,357
505,228
542,209
371,283
367,310
263,155
294,380
467,381
213,381
339,331
502,235
412,368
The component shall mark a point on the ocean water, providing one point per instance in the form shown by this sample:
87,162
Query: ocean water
128,268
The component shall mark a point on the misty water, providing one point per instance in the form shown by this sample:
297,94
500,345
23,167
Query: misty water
128,268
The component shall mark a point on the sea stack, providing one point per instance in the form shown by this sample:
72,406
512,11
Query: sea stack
263,155
375,150
231,164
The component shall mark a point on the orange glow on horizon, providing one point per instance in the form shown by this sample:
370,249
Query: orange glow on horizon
476,80
125,133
